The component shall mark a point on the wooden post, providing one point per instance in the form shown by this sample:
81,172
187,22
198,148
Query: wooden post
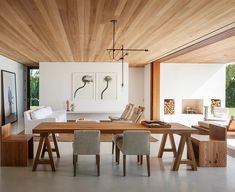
155,91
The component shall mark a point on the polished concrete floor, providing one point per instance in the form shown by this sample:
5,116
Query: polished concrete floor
22,179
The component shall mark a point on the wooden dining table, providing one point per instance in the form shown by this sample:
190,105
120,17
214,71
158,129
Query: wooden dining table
52,128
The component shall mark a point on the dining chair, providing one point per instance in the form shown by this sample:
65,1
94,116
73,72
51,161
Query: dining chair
86,142
136,117
134,143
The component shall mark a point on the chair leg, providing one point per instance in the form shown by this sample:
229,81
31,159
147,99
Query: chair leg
124,165
98,164
75,158
138,158
148,164
141,159
112,147
116,153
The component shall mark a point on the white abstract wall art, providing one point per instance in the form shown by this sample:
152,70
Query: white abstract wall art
83,86
106,86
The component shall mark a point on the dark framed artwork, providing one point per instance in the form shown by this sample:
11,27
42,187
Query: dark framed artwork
9,97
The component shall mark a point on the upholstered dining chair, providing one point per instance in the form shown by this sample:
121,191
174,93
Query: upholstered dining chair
134,143
86,142
136,117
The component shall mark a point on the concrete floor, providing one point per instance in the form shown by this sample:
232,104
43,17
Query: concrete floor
22,179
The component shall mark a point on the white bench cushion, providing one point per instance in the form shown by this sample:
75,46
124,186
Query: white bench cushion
41,113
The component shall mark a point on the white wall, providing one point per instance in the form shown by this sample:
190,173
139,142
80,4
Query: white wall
191,81
56,85
10,65
136,86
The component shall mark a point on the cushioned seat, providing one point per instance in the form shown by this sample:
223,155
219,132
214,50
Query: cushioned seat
136,117
134,143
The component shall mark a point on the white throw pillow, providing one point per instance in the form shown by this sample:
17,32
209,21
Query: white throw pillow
41,113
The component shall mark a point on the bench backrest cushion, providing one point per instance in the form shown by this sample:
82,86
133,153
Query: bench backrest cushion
41,113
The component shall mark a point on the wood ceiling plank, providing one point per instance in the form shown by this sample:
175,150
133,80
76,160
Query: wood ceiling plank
80,30
213,53
17,26
52,18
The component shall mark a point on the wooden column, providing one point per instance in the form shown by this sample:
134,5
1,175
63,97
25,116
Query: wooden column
155,91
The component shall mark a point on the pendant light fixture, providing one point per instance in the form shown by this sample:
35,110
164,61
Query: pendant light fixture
124,52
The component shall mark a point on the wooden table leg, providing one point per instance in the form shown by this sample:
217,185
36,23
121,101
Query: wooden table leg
50,153
162,146
44,140
179,153
163,143
56,145
56,149
191,155
185,139
172,144
36,160
44,149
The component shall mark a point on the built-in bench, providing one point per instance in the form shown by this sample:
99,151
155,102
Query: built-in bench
211,150
15,150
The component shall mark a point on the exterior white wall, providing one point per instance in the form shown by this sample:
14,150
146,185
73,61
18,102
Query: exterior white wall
56,86
191,81
136,86
12,66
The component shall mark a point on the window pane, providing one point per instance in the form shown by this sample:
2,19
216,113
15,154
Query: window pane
34,88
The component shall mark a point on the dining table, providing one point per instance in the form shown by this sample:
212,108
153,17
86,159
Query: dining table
46,129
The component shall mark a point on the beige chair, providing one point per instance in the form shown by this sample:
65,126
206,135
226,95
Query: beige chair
134,143
125,114
86,142
136,117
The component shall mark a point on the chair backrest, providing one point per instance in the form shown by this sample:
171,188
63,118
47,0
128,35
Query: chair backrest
231,125
5,131
136,143
137,114
217,132
126,113
86,142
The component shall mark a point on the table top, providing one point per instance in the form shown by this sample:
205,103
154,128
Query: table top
107,127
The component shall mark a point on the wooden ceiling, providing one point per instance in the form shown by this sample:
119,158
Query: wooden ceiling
219,52
33,31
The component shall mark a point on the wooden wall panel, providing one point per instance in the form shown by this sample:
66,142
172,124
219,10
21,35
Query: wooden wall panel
155,91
